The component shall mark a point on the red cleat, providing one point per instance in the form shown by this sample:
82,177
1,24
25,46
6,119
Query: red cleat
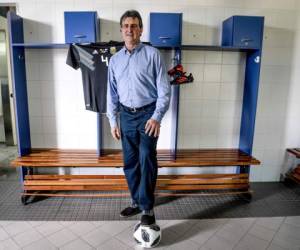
178,70
182,79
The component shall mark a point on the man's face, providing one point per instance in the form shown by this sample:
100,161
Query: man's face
131,30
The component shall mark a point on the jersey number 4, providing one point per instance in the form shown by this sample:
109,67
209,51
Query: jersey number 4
104,59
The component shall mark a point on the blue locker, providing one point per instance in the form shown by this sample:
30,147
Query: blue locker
81,27
243,31
165,29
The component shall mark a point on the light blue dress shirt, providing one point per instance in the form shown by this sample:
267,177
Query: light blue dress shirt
135,79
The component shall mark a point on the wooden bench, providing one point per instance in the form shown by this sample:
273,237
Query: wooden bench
53,185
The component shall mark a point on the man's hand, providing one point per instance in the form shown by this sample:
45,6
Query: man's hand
115,132
152,127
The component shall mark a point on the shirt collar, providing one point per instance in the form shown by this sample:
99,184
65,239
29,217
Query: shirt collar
137,48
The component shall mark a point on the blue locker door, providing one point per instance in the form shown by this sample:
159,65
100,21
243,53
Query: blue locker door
248,31
165,29
15,28
80,27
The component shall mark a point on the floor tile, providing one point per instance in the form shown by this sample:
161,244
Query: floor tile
5,223
78,244
116,227
112,244
273,246
62,237
294,220
180,227
184,244
250,242
42,244
290,230
82,227
9,244
96,237
36,223
272,223
3,234
262,232
285,241
17,227
199,235
218,243
27,237
230,233
49,228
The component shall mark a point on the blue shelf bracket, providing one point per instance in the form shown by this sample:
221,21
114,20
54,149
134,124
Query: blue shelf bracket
174,106
251,85
99,134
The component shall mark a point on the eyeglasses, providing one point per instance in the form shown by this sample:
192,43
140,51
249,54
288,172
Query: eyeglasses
127,26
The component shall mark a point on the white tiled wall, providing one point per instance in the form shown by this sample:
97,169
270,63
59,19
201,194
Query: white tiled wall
210,108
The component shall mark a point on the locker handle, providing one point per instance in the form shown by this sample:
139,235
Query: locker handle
79,36
244,40
164,37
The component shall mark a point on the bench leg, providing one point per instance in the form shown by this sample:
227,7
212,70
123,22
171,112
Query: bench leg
247,196
24,199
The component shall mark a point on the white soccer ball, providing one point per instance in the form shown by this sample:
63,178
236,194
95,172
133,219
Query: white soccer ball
147,236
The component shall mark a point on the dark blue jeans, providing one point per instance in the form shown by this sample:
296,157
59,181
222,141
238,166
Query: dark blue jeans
139,152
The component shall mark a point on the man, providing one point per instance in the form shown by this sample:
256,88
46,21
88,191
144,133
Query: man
138,87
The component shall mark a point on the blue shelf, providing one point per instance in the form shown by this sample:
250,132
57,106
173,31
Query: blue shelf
183,47
41,45
216,48
209,48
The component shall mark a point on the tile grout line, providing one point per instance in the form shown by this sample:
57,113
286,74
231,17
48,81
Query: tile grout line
253,223
276,232
213,233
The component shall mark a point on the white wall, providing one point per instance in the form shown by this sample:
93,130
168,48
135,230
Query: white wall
210,108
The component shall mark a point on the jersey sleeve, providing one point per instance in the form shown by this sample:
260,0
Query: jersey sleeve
73,57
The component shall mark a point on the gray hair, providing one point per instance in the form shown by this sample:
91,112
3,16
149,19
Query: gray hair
133,14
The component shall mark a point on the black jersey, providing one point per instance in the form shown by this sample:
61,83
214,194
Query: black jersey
93,60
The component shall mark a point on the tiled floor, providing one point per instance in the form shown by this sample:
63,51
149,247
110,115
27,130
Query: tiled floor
270,221
239,233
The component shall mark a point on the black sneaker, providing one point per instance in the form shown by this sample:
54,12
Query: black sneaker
147,220
130,211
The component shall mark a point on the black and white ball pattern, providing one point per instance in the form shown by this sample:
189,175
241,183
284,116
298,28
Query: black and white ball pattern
147,236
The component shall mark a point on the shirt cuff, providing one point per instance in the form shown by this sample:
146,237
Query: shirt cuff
157,116
113,123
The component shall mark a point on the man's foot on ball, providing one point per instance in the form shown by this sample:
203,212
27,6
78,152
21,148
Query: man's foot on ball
147,220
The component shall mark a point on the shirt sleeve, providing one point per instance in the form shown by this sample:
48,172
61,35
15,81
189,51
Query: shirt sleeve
163,88
73,57
112,97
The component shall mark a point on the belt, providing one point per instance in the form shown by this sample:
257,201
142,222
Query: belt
133,110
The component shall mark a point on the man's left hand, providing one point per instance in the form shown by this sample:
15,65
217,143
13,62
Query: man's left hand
152,127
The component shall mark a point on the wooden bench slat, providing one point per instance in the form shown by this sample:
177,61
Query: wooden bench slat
127,194
121,187
185,176
123,182
113,158
77,188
